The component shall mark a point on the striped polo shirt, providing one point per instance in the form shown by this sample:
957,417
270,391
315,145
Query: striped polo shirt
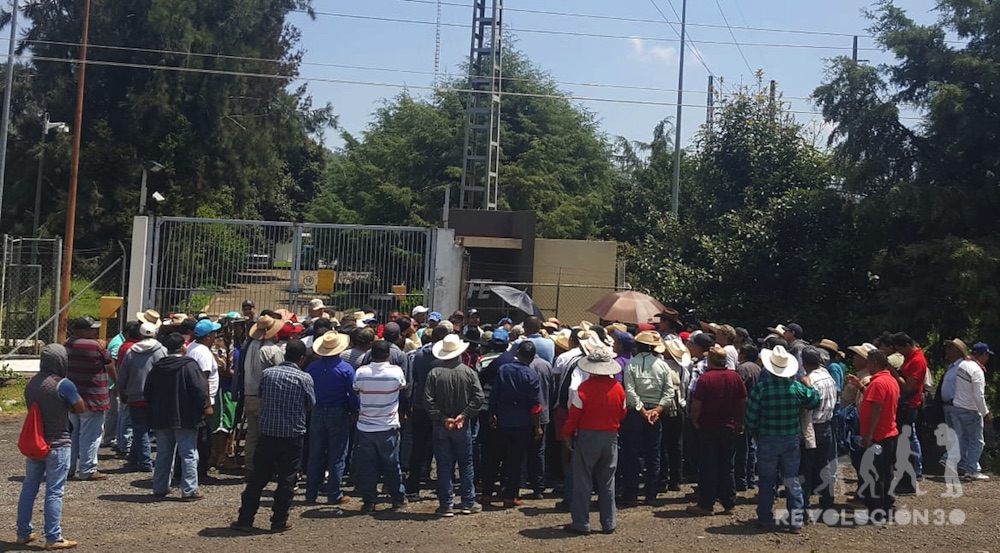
378,386
88,370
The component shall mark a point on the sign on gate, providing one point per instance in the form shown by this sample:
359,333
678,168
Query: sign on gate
213,265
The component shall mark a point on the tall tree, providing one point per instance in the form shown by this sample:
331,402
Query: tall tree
200,86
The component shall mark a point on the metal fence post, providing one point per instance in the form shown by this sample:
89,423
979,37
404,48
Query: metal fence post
3,293
154,254
430,268
293,288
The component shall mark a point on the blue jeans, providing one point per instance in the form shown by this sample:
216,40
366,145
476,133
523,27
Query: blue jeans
451,447
140,455
968,427
329,432
746,463
819,468
55,469
377,453
124,428
88,427
773,453
183,442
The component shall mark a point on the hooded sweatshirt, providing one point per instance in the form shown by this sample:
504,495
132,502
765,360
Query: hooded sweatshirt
54,394
176,393
135,365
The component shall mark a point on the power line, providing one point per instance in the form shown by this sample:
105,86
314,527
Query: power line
368,68
402,86
590,35
732,34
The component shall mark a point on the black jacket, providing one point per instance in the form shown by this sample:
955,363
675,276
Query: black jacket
177,393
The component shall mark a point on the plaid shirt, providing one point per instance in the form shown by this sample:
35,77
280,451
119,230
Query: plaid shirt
286,392
824,384
774,405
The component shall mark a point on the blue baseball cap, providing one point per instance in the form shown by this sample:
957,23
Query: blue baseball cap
626,338
434,316
205,327
500,336
504,321
982,347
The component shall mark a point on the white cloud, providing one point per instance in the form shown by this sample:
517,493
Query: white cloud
653,54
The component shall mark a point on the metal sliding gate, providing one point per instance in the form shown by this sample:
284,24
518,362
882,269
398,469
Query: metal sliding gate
213,265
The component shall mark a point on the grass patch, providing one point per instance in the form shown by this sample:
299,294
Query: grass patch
13,390
89,303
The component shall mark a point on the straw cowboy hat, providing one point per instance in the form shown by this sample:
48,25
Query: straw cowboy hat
330,344
779,362
561,338
451,347
863,349
600,361
266,328
620,327
651,338
678,351
149,316
959,345
553,324
830,346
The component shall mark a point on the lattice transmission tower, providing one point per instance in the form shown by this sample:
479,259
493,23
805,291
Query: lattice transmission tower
481,161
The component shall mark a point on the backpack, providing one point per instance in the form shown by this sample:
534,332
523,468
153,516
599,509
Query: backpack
32,440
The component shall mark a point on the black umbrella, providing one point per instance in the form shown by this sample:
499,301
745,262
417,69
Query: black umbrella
517,298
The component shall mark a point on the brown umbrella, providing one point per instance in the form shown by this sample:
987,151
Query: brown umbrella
627,307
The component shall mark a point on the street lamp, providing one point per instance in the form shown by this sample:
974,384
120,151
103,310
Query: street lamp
46,127
147,167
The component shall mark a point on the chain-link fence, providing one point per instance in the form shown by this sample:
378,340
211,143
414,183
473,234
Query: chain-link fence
30,289
566,301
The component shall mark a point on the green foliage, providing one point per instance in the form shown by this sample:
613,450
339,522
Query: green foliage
553,159
238,145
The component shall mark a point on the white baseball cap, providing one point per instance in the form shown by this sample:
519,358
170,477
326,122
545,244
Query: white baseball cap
147,330
418,310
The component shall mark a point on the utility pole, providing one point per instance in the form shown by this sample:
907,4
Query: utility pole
74,177
855,56
6,99
711,102
675,198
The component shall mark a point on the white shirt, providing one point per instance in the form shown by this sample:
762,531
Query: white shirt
563,360
732,356
823,383
203,356
378,386
969,383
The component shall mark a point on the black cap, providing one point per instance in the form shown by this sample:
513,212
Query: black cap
248,303
472,312
380,350
795,329
811,356
85,323
473,336
703,340
174,342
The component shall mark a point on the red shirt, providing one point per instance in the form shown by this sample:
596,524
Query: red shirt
883,389
603,401
721,393
915,366
87,369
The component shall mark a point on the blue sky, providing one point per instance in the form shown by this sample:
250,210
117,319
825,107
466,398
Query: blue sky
645,56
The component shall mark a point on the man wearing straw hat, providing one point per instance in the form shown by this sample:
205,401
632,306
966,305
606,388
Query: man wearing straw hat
330,424
773,418
679,361
263,352
453,397
649,390
592,426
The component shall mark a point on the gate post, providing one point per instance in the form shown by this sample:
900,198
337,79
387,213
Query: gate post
293,289
138,275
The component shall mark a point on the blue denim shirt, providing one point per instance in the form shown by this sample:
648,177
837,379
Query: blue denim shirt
334,382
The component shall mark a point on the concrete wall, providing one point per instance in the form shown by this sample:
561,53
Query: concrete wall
569,263
446,285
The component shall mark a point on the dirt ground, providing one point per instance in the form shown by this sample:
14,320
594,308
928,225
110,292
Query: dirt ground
120,514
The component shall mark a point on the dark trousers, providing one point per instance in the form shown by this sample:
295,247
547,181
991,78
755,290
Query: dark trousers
906,416
690,447
670,451
422,439
882,497
746,463
515,442
717,452
819,467
536,462
492,455
281,456
640,440
204,450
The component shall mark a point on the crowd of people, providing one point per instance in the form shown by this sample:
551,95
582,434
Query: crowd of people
623,410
